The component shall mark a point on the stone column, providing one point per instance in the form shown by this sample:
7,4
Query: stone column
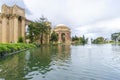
69,36
15,38
11,29
66,37
59,37
4,29
23,28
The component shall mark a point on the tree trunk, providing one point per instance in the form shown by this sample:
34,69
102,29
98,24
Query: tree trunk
41,39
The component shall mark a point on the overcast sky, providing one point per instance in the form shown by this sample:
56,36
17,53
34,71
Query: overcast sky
91,18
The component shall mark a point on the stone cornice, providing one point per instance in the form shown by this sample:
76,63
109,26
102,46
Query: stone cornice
12,16
3,15
18,7
13,6
15,15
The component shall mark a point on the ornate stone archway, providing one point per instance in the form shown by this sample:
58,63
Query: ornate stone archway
64,33
12,23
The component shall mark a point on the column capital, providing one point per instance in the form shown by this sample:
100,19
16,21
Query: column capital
3,15
23,18
15,16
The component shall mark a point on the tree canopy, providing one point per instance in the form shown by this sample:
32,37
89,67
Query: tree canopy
38,29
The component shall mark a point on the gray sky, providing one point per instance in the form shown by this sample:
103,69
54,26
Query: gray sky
92,18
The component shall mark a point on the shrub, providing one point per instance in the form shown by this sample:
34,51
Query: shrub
20,40
8,48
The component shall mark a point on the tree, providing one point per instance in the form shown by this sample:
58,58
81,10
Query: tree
75,38
99,40
115,36
31,32
83,40
54,37
80,40
38,30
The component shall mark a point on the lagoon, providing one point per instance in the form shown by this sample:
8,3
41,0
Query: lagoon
63,62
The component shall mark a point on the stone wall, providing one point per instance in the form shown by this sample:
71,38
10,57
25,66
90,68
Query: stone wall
12,24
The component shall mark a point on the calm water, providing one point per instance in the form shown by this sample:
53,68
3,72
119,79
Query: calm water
89,62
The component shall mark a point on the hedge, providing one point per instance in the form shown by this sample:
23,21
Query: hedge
13,47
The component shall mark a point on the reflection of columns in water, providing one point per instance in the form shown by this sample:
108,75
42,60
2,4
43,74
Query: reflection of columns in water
59,49
63,52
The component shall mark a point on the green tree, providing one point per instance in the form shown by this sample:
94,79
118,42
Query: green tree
115,36
75,38
83,40
38,29
31,32
99,40
44,27
54,37
80,40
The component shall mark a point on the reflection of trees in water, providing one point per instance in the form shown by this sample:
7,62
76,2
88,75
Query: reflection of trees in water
116,47
16,67
39,60
13,67
116,54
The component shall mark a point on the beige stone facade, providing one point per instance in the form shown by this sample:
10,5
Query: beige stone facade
64,33
12,24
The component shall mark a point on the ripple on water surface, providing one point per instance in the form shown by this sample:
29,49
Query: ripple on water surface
89,62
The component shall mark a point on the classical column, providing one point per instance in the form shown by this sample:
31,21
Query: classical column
23,28
4,29
59,37
66,37
69,36
11,34
15,37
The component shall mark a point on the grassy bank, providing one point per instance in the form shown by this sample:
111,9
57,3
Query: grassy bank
6,49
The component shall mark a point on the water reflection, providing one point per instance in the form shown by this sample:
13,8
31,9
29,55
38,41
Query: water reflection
12,68
42,60
34,62
98,62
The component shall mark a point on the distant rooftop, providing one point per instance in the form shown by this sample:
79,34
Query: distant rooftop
61,25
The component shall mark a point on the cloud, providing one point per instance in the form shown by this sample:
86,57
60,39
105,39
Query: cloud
102,28
89,17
